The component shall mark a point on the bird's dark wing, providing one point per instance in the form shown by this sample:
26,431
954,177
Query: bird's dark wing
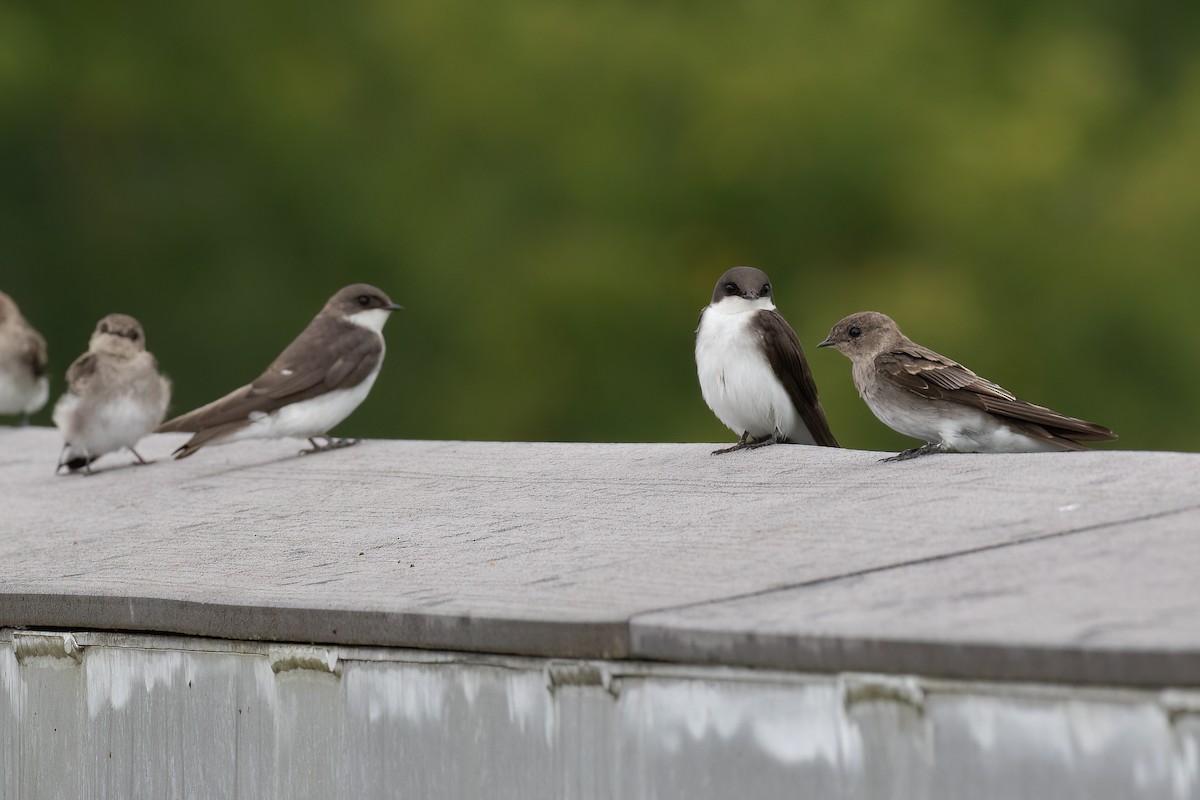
329,354
80,372
787,360
33,351
933,376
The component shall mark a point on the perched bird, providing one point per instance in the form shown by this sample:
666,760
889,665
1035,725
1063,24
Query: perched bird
925,395
752,369
24,387
115,395
322,376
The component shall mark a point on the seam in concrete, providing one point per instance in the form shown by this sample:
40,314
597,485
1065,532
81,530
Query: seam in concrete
915,562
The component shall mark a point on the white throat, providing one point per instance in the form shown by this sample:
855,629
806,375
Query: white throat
740,305
372,320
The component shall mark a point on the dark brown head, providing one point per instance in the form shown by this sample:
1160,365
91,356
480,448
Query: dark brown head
362,304
863,335
747,283
118,333
358,297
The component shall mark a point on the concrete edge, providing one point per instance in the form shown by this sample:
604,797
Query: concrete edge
319,625
1033,662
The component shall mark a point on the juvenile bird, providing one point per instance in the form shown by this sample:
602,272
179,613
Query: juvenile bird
115,395
925,395
24,387
318,380
752,369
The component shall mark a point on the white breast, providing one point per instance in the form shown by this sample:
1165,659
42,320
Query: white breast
314,417
962,428
735,377
21,392
120,406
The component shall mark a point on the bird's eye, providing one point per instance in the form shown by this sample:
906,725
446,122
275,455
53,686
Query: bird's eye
133,336
766,290
363,300
731,288
104,327
855,332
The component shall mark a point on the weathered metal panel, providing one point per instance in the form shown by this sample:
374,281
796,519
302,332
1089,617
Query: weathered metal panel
124,716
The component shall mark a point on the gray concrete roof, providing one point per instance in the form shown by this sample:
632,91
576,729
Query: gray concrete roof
1078,567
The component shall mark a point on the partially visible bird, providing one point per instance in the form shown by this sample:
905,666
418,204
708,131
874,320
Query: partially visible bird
318,380
925,395
24,386
115,395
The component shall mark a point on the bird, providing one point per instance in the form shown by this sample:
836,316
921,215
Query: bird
920,393
24,385
115,395
314,384
752,369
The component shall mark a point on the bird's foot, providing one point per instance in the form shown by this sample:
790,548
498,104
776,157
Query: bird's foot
747,443
915,452
141,461
83,462
330,444
742,442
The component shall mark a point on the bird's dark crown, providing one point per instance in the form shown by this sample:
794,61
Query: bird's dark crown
359,297
747,282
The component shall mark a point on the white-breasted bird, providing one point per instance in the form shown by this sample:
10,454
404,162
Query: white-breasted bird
115,395
752,369
318,380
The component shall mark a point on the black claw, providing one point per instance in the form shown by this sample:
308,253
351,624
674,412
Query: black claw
915,452
330,444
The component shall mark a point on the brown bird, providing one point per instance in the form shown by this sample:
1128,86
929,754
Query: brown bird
24,387
925,395
318,381
115,395
752,369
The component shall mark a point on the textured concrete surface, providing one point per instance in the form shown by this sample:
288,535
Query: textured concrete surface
1057,567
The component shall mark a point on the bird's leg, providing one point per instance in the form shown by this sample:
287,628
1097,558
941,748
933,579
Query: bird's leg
330,444
923,450
138,456
62,458
742,442
775,438
24,420
87,462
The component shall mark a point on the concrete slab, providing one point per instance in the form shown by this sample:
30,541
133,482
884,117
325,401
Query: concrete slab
1113,604
543,549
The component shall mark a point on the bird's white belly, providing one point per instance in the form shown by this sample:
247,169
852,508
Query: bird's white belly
21,392
313,417
959,427
119,423
738,382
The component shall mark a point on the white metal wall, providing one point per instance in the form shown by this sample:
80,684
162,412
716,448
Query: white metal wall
94,715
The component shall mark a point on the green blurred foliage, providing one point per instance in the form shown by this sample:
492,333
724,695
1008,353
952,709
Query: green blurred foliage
552,188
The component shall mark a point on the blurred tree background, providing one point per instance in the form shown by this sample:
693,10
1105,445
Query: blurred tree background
552,189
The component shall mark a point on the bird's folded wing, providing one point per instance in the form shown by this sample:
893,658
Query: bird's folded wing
34,352
931,375
322,359
787,360
80,372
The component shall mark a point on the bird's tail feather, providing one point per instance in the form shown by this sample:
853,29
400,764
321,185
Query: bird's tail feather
212,435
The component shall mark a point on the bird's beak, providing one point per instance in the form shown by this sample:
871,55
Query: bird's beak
826,342
751,295
395,307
